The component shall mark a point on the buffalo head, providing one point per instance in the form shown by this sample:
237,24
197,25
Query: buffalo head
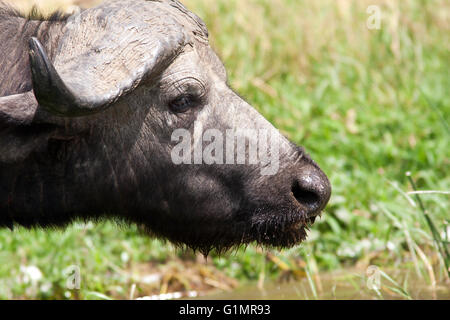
136,121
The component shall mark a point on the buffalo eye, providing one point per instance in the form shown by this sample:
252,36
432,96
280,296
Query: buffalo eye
184,102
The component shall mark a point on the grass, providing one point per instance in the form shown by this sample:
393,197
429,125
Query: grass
368,105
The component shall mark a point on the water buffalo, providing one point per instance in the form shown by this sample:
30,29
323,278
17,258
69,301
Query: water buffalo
89,104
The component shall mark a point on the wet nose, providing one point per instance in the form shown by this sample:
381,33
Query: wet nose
311,189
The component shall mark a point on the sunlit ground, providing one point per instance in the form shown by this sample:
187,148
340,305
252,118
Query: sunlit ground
368,105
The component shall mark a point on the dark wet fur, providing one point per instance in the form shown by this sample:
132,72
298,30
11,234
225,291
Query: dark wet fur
266,226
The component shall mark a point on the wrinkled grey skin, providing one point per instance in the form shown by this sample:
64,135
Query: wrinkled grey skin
93,139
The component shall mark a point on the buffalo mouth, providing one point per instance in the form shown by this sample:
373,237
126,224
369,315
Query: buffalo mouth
281,231
270,227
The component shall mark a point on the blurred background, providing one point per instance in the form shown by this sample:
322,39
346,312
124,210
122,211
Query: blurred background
369,101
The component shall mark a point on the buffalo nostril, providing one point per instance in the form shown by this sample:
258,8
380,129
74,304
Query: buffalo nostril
305,197
311,189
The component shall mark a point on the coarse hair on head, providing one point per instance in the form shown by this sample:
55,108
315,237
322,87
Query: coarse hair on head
35,13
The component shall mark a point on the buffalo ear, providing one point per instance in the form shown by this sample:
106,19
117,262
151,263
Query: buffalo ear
19,136
17,109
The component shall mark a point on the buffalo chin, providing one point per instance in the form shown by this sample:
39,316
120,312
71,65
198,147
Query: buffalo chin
281,228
